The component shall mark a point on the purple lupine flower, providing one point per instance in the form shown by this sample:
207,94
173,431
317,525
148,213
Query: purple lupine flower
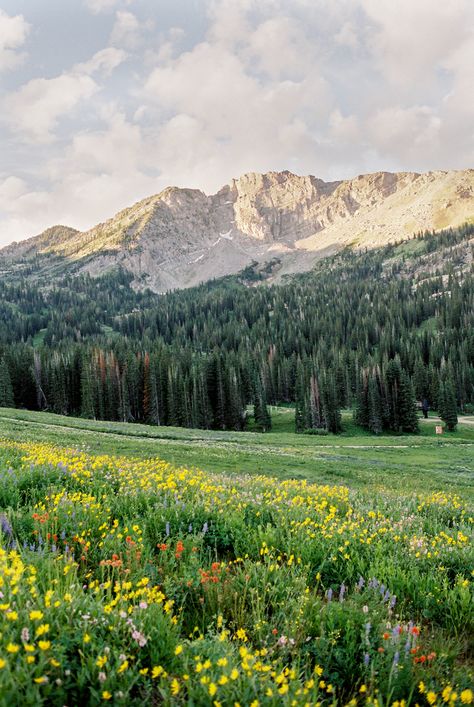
167,529
205,528
393,601
5,525
366,659
190,528
329,594
396,658
360,583
341,592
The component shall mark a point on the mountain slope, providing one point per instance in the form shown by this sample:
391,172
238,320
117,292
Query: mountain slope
181,237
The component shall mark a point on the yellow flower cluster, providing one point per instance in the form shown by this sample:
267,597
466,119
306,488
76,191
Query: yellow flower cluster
101,570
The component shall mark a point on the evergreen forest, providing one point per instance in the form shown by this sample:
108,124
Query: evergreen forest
380,331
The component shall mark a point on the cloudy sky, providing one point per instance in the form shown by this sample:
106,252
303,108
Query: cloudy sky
103,102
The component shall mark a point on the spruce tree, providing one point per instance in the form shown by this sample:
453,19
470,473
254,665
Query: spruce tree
263,420
448,411
332,413
87,392
6,388
407,412
375,422
362,411
301,400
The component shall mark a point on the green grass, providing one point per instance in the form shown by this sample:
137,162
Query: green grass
355,458
126,580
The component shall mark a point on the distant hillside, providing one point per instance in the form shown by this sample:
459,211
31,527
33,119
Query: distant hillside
182,237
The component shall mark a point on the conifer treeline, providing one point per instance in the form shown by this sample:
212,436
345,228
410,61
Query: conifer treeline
358,331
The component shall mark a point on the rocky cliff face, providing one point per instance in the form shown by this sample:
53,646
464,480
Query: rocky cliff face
182,236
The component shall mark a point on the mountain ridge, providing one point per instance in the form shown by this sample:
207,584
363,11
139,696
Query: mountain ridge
180,236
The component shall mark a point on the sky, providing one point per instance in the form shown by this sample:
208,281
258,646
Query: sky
104,102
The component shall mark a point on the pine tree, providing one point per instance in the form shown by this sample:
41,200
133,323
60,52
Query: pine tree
6,388
407,405
362,411
331,411
448,408
375,420
316,414
146,388
262,417
301,400
87,394
420,381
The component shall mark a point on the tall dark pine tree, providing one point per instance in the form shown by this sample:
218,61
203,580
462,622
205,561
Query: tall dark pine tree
262,417
407,405
6,388
362,411
301,402
332,413
87,389
447,407
375,415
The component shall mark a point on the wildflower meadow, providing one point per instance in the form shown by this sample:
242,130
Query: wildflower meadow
128,581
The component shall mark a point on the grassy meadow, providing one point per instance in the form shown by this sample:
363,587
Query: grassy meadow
144,565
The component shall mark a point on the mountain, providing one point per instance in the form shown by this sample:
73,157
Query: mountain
181,237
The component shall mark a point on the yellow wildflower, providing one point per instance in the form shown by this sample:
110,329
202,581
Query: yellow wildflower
41,630
174,687
123,667
36,615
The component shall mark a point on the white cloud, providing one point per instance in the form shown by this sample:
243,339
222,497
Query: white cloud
97,6
103,61
347,36
281,49
405,133
11,188
257,107
411,40
128,30
13,33
34,110
99,173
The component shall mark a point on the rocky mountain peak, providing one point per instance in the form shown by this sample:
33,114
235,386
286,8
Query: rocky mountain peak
180,237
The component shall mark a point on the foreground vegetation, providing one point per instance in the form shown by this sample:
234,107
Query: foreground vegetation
126,579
